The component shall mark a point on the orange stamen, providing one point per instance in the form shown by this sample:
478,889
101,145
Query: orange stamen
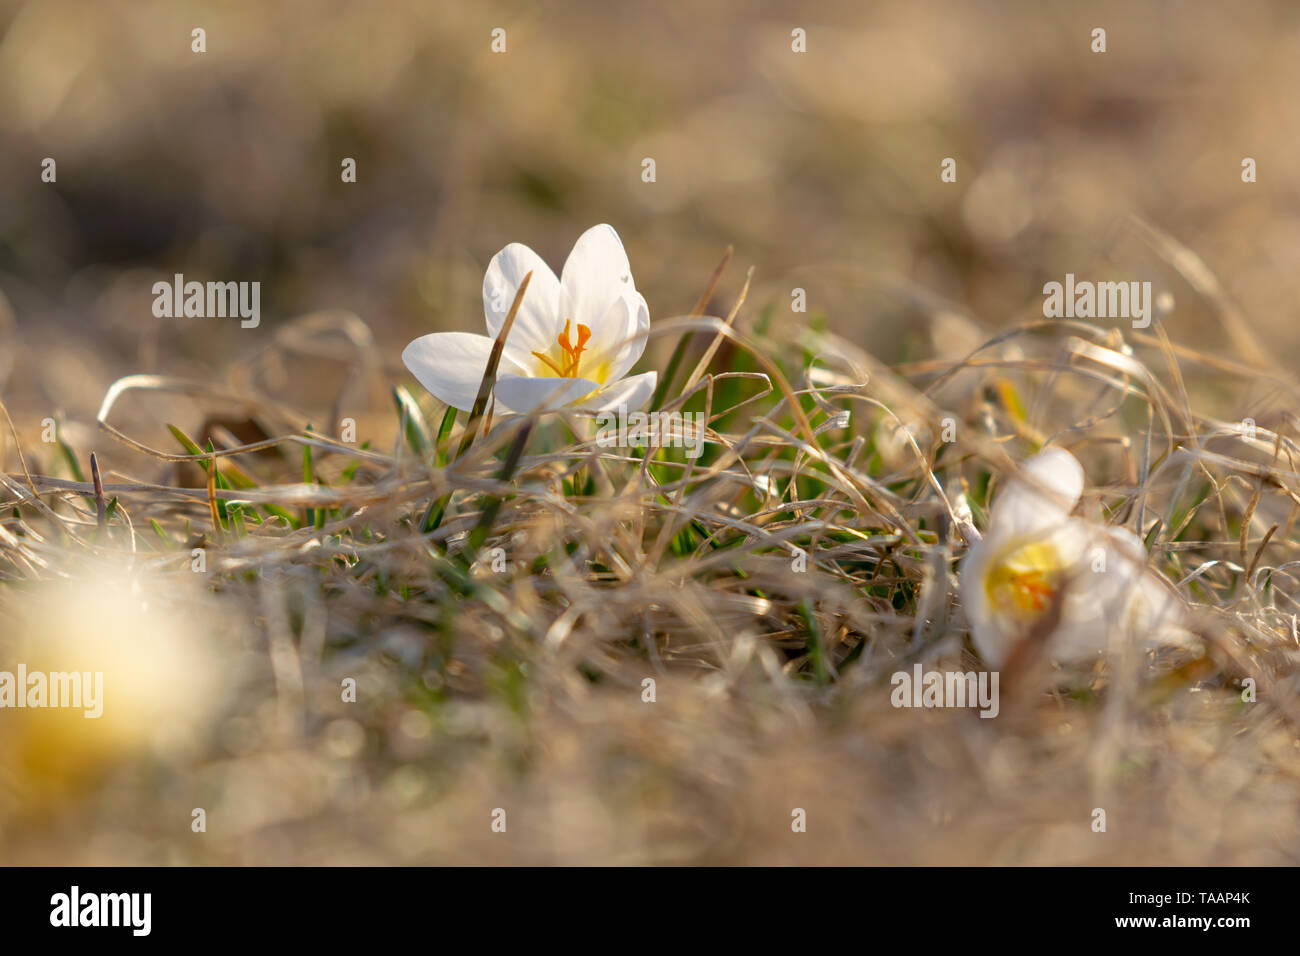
572,351
1033,589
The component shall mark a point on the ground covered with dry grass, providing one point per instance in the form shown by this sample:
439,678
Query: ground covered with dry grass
500,595
520,686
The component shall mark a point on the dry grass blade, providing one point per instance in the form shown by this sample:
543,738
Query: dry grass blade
101,508
213,510
712,350
679,352
490,373
18,446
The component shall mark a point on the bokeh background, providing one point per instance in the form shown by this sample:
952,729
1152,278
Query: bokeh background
225,165
821,169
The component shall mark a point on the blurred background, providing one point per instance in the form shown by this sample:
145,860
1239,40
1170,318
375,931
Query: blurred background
225,165
821,169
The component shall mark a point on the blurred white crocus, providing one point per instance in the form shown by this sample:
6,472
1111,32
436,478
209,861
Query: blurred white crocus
573,342
146,659
1036,560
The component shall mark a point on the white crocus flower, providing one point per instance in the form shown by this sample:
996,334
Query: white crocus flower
573,342
1035,555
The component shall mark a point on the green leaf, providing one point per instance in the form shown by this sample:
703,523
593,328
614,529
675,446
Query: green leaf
188,444
417,429
444,432
70,458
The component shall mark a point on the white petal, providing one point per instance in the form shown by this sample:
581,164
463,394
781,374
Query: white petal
618,340
629,344
527,394
538,322
1157,615
632,392
1116,600
595,276
451,365
1039,495
1153,608
987,635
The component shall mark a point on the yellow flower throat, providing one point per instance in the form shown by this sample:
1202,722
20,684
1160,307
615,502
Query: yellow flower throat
567,366
1025,580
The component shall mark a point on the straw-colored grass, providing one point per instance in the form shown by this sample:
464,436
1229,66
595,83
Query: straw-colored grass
524,689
